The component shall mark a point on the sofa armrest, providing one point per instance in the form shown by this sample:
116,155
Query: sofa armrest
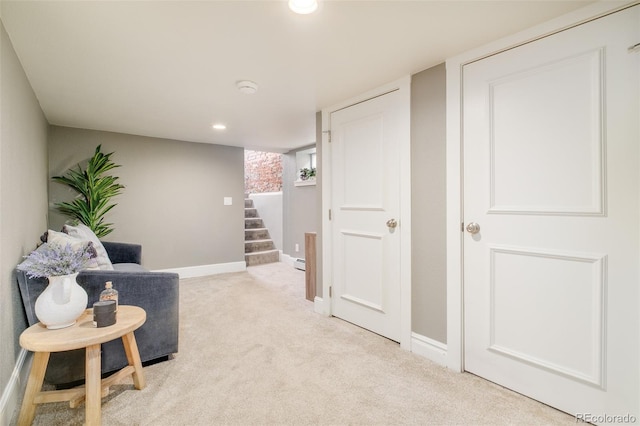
155,292
134,288
123,252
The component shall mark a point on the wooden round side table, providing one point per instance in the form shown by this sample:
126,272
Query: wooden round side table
83,334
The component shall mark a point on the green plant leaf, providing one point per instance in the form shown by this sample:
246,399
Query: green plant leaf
95,190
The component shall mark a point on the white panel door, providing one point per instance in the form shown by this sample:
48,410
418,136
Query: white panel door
551,160
365,187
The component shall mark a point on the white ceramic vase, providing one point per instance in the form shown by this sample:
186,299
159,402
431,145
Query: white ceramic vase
62,302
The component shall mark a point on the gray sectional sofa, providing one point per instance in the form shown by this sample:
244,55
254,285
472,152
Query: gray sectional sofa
155,292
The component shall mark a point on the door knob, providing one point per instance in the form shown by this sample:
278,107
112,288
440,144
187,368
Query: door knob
391,223
473,228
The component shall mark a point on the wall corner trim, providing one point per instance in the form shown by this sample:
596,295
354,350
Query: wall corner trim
12,393
204,270
429,348
318,305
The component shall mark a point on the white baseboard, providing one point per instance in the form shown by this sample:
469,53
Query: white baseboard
318,305
429,348
286,259
204,270
15,388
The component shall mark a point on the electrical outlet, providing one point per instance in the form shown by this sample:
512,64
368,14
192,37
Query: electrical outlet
297,248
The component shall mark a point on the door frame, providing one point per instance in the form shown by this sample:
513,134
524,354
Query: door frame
323,304
454,155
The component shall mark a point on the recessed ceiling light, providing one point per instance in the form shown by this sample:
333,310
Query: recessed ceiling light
247,87
303,7
219,126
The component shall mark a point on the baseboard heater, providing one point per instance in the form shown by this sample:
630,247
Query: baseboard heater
299,264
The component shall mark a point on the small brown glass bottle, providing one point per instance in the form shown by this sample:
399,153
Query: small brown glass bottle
109,293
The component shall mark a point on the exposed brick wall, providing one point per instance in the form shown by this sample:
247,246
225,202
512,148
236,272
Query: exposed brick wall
262,172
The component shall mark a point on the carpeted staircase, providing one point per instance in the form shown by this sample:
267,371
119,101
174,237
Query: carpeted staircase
258,246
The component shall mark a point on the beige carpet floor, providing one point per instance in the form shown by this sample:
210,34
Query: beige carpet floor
253,352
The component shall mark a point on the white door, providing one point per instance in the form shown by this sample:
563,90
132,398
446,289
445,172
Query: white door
365,196
551,160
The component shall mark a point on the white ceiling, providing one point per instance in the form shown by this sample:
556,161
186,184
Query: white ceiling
168,68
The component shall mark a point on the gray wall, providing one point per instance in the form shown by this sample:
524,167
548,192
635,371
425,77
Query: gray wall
23,195
428,209
173,200
299,215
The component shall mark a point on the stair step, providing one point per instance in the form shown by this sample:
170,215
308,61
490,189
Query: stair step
253,246
262,257
258,246
250,212
253,222
256,234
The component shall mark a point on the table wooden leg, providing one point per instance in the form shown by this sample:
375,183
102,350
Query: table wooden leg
34,386
93,386
133,356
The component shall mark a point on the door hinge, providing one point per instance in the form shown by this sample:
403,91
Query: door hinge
330,291
461,226
328,132
329,214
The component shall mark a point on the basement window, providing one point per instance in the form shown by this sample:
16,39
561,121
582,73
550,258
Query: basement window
306,167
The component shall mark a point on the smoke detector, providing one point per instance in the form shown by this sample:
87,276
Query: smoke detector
247,87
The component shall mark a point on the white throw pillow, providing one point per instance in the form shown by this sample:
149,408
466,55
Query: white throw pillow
83,232
62,239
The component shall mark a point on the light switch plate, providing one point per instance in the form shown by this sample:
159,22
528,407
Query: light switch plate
228,201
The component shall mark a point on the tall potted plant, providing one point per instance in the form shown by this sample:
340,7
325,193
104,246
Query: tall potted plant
95,190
